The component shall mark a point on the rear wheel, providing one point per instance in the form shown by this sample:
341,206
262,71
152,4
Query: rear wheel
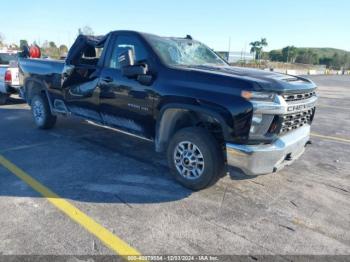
3,98
195,158
41,112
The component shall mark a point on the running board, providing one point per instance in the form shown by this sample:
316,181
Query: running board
119,130
60,107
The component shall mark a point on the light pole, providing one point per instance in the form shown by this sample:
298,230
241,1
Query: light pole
229,49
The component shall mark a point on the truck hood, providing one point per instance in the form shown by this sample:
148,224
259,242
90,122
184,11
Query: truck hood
263,80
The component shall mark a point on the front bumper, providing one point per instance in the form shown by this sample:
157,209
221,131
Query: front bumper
264,159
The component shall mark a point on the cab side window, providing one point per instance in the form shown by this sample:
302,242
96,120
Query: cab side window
123,43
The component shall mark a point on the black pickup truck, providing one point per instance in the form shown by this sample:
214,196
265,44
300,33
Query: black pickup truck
178,93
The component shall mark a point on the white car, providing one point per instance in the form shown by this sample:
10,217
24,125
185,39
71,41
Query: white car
9,77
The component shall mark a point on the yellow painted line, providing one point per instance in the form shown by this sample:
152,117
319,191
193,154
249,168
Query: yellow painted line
109,239
339,139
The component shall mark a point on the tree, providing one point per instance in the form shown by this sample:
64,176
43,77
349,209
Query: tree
336,61
345,61
257,48
23,43
14,46
275,55
52,44
315,60
63,50
289,54
2,38
263,42
45,45
307,57
50,49
86,30
326,61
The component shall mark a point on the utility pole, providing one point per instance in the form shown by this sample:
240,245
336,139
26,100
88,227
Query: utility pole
229,49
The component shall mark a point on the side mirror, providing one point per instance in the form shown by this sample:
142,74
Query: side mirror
127,64
126,58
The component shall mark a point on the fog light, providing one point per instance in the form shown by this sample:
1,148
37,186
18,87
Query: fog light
257,118
256,121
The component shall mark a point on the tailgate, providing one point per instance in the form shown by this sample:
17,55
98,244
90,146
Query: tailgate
15,76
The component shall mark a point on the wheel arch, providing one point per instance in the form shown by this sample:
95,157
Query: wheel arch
173,117
32,87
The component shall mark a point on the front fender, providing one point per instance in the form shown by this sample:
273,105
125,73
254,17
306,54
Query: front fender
170,114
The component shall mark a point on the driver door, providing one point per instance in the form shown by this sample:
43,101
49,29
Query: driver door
124,102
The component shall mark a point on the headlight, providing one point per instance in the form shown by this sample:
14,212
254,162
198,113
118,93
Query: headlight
258,96
260,125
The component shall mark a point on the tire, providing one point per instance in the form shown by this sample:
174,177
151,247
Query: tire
3,98
41,112
195,158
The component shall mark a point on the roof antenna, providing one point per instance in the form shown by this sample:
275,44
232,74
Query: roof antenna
189,37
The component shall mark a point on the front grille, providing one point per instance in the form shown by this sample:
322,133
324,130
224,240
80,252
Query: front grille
293,121
299,96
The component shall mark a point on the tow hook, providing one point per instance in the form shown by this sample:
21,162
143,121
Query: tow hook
308,143
288,157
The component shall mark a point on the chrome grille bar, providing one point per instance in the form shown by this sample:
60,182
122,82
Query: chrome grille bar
300,96
294,121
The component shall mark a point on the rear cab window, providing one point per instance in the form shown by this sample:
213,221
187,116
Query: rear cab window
90,56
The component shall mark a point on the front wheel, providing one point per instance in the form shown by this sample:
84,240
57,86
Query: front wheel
195,158
41,112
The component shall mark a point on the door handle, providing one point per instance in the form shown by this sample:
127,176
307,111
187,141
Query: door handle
107,79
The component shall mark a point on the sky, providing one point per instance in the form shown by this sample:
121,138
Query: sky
302,23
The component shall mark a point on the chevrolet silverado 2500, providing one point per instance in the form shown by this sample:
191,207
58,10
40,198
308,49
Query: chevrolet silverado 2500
178,93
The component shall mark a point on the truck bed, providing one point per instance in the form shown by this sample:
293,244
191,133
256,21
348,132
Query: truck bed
46,67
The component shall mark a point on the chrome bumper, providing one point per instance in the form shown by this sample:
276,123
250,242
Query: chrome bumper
264,159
